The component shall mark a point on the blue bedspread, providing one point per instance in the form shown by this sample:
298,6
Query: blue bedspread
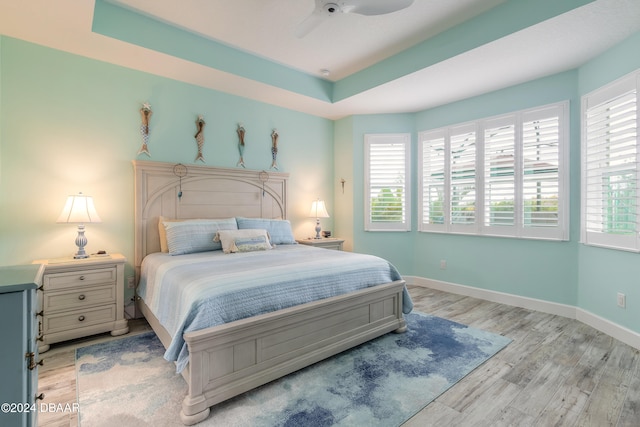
192,292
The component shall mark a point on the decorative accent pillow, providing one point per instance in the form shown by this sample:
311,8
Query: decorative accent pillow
195,235
279,229
246,240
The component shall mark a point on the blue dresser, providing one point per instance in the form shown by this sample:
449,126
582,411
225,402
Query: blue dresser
19,354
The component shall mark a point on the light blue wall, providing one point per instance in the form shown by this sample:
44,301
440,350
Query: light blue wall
343,195
602,273
560,272
394,246
71,124
536,269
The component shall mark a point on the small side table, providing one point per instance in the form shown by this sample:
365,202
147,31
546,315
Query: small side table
81,297
326,243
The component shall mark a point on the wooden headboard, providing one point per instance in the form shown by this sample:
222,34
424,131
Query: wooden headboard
207,192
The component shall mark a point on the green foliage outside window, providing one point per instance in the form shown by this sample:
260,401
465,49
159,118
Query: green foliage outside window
620,213
387,206
536,211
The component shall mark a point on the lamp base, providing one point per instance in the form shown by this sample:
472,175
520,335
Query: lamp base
318,236
81,242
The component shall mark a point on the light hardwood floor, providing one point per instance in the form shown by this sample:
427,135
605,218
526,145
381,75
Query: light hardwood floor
556,372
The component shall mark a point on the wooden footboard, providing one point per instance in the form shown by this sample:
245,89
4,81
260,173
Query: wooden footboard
229,359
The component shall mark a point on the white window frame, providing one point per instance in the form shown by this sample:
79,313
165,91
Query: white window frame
430,138
589,234
403,140
479,227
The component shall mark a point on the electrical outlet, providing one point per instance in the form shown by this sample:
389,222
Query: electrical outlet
131,282
443,264
622,300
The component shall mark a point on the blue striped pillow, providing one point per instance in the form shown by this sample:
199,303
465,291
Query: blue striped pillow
196,235
279,229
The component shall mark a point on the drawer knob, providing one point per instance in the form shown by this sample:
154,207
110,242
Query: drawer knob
31,359
81,318
81,278
40,396
81,297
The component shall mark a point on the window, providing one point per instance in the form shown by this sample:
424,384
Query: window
610,171
387,190
500,174
503,176
449,179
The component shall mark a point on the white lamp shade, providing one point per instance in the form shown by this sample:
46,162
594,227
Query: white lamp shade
318,210
79,209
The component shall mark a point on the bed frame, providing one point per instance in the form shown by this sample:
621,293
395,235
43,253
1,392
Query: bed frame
230,359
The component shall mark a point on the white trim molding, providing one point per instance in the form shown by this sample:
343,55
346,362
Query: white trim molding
608,327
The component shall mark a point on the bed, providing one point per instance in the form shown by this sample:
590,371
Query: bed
236,353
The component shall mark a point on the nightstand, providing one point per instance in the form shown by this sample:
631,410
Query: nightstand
81,297
327,243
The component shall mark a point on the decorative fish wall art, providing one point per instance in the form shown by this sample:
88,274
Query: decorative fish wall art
199,136
274,149
146,113
240,132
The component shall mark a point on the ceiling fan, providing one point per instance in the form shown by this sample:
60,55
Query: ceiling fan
327,8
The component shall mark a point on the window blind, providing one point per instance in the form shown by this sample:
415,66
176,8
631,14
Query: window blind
499,173
387,171
502,176
541,157
610,166
433,180
463,176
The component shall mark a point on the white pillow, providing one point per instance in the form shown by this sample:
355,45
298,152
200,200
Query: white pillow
247,240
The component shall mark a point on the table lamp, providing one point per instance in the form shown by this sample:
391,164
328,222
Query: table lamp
318,210
79,209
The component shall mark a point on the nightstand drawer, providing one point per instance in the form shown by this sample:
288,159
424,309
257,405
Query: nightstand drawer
79,298
326,243
79,318
71,279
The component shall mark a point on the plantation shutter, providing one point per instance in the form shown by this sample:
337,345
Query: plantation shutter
387,195
500,174
544,176
463,177
611,166
433,186
504,176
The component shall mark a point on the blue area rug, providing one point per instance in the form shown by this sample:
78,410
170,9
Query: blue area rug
380,383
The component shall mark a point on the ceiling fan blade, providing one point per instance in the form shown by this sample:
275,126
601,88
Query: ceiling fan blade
376,7
310,23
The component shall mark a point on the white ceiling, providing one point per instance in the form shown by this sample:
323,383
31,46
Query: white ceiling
343,44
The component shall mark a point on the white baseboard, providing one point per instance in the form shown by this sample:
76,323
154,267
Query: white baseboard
610,328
